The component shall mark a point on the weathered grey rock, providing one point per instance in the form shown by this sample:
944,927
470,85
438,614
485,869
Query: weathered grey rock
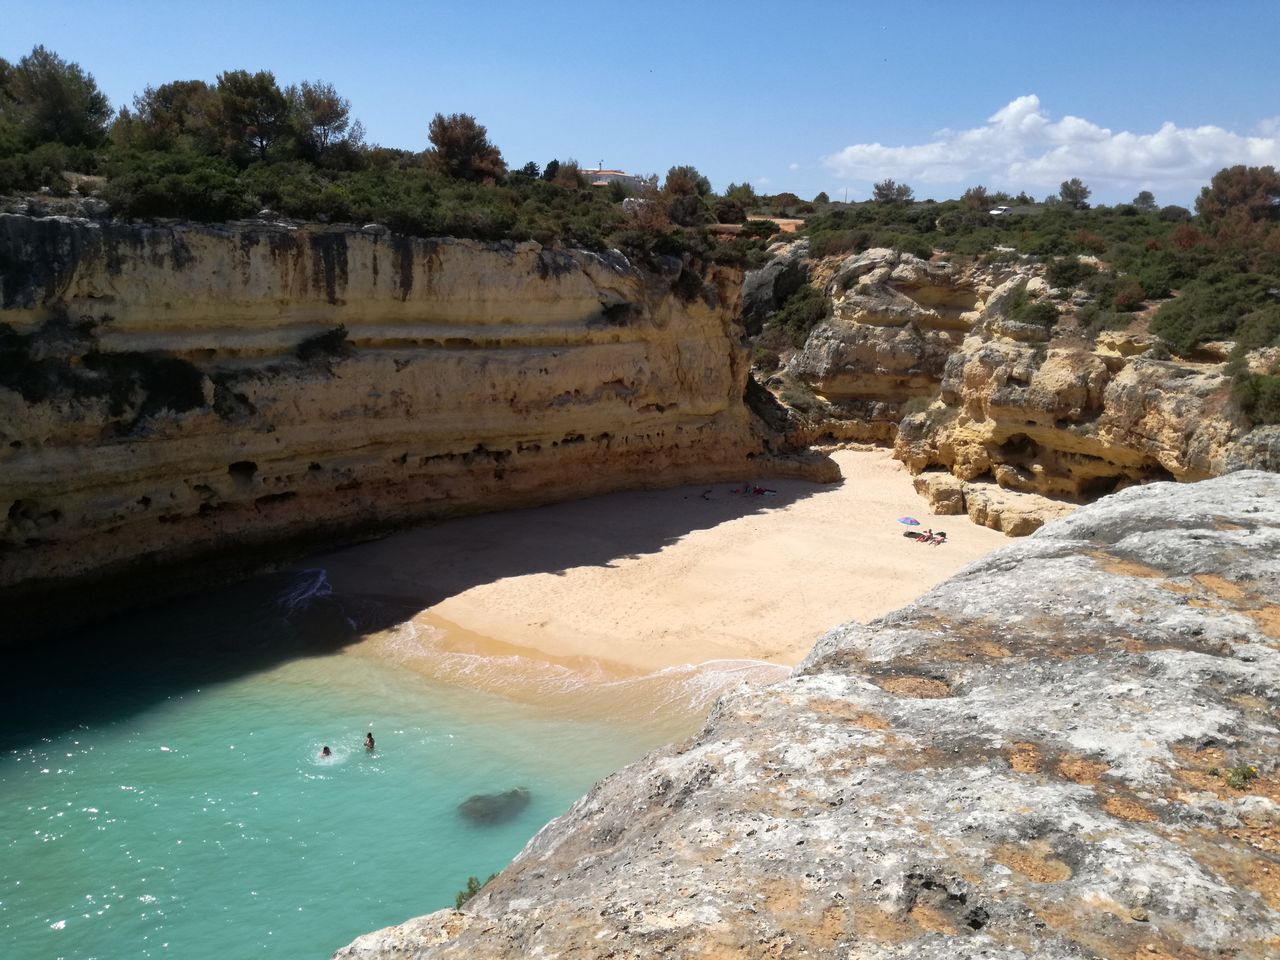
1004,296
764,290
1025,763
1259,449
1019,331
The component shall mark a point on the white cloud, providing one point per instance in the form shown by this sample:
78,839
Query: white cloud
1020,146
763,181
793,166
1268,127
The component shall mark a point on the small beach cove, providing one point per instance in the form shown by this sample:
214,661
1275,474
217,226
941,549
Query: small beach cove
649,580
162,793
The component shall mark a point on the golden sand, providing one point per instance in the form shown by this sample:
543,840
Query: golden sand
633,583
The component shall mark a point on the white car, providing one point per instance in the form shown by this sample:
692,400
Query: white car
999,212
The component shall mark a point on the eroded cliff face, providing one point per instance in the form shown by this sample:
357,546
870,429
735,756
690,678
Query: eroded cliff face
932,358
1068,750
180,393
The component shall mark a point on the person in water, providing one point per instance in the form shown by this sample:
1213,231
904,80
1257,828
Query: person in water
368,741
325,753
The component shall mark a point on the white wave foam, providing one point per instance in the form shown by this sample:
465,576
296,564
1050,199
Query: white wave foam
585,688
307,585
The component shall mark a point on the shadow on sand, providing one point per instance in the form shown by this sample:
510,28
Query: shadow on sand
110,671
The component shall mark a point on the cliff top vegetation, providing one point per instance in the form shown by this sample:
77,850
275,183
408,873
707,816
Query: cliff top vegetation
228,149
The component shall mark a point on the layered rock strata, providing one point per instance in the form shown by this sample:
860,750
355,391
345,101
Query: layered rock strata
931,357
175,400
1068,750
896,321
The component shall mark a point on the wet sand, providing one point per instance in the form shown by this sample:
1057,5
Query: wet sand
633,583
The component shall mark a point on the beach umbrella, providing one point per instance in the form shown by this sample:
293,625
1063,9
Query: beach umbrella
909,521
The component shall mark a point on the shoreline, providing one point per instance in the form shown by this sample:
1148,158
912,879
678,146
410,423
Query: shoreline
629,584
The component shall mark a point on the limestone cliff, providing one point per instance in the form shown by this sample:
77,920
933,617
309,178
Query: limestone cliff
1069,750
931,356
193,393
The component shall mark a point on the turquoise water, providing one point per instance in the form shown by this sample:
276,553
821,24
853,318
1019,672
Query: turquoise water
161,793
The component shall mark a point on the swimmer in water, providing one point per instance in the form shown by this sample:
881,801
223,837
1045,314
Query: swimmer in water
368,741
325,753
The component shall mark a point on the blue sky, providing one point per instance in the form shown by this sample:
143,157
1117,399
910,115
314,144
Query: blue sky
801,96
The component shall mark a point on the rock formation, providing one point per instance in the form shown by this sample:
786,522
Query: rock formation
486,809
1069,750
931,357
177,401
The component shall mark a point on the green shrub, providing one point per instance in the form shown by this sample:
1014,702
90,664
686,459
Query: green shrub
330,345
1068,272
973,245
146,383
1102,285
1094,317
765,360
998,257
474,886
1129,297
1049,245
729,211
1239,778
293,189
802,311
1042,314
1213,305
43,167
36,379
763,229
830,243
797,395
183,185
1259,396
1159,272
917,246
1260,328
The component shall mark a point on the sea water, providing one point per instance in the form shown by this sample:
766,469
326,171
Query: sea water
162,792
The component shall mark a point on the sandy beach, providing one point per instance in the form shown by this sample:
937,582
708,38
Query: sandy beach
642,581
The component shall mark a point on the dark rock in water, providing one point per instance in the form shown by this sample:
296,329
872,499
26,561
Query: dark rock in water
490,808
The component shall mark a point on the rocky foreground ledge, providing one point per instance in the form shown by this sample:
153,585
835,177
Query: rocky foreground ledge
1068,750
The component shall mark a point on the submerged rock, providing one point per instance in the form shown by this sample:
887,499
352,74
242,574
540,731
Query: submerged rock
490,808
1069,750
